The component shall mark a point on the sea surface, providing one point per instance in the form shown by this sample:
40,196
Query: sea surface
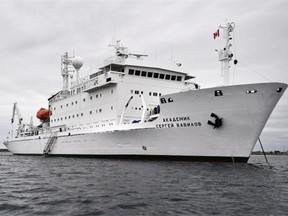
86,186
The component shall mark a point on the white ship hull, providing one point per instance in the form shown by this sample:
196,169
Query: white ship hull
180,132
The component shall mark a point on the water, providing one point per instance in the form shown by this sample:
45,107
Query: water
76,186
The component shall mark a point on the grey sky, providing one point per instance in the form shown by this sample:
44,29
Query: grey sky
34,34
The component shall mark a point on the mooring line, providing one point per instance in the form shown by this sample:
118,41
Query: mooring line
263,150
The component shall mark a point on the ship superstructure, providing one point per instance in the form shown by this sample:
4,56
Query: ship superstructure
127,109
119,93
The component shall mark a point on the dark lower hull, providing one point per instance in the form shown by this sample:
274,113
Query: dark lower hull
156,158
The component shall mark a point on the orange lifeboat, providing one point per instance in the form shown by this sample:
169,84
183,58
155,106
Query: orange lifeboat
43,114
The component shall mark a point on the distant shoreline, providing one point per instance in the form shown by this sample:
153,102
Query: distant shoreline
270,153
3,150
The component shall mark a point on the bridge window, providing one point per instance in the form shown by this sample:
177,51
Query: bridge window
144,73
173,77
179,78
131,72
162,76
167,77
150,74
137,73
156,75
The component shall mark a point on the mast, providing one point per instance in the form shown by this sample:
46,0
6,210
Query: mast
225,54
65,69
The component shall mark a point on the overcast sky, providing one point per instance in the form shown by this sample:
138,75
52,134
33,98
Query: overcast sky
34,35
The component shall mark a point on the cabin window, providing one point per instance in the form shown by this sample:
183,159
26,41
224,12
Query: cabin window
143,73
162,76
142,92
90,97
111,107
100,110
131,72
81,114
111,91
66,105
137,73
73,116
167,77
75,102
83,99
150,93
96,95
61,106
156,75
150,74
136,92
173,77
179,78
72,103
90,112
155,94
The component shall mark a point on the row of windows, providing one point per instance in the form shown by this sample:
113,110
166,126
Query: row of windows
141,92
78,115
154,75
84,99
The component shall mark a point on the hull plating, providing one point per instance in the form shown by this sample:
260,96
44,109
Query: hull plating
180,132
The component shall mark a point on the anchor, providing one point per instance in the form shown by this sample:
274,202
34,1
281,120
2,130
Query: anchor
217,123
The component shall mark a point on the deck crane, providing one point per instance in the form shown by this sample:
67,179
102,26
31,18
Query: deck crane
16,111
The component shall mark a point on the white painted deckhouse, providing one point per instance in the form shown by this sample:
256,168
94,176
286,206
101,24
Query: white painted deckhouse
130,110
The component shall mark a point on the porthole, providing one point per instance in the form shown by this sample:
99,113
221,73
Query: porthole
279,90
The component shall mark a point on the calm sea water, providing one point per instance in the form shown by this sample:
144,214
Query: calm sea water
76,186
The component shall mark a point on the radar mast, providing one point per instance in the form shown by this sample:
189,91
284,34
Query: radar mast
225,54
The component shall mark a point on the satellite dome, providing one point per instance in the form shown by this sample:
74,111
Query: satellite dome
77,62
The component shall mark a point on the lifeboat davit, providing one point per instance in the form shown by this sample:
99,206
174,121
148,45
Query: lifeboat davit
43,114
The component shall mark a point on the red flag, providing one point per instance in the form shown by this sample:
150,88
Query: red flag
216,34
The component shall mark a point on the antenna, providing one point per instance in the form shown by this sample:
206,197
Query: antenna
65,69
225,54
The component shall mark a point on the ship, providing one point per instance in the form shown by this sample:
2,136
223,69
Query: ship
130,110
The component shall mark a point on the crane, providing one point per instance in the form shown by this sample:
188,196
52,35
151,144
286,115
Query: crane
16,111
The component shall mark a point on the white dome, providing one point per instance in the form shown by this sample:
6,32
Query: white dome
77,62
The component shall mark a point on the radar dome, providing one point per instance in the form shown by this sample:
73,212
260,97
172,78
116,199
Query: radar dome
77,62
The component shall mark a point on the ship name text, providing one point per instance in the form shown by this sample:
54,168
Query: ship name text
178,122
